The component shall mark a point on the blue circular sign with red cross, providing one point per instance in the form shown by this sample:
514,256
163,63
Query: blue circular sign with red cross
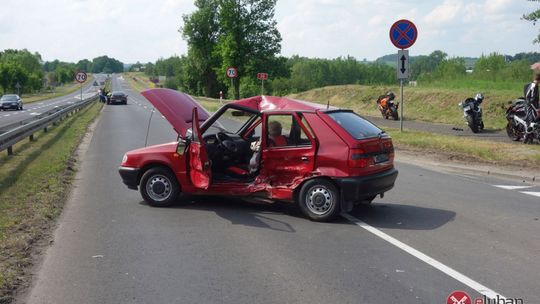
403,34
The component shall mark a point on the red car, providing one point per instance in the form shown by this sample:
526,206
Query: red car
266,148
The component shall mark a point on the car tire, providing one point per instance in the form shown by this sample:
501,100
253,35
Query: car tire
319,200
159,187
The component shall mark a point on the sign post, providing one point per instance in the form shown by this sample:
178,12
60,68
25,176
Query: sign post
81,77
232,73
403,34
18,86
262,77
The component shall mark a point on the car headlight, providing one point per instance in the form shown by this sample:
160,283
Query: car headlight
124,159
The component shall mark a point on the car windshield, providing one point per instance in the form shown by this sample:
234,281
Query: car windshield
118,93
230,121
9,98
357,126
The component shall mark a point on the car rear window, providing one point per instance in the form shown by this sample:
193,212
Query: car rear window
357,127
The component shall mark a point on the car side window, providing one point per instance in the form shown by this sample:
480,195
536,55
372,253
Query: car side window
283,130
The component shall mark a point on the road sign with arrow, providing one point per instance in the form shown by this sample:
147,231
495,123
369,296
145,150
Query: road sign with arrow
403,64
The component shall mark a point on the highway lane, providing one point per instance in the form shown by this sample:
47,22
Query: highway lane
36,108
110,247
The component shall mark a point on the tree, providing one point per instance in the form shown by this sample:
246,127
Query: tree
533,17
248,34
201,31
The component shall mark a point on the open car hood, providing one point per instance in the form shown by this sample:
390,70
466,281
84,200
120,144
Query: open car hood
177,108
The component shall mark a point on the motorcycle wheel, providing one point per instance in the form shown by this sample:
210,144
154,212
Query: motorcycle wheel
472,124
394,113
512,133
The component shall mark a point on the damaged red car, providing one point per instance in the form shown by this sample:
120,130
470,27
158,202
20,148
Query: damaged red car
324,159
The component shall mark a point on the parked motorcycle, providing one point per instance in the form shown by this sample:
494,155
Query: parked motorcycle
523,121
472,112
387,106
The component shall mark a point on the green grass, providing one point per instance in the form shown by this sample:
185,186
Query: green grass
58,92
33,186
420,103
468,148
138,81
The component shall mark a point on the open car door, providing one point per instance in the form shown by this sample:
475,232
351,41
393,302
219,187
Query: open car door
200,169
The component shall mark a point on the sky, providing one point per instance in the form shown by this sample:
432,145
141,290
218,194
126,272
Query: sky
144,30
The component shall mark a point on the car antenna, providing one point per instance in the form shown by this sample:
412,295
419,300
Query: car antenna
148,129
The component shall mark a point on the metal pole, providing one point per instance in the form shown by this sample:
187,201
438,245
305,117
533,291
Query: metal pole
401,116
232,87
81,91
262,86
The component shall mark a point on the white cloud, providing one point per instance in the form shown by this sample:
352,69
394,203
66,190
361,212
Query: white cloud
145,30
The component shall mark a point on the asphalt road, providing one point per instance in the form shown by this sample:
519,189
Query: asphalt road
110,247
36,108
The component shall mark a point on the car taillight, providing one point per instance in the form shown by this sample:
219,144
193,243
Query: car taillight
359,159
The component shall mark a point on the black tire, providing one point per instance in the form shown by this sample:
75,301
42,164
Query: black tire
395,114
319,200
472,124
159,187
512,133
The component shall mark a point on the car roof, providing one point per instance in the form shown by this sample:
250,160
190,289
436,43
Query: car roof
274,103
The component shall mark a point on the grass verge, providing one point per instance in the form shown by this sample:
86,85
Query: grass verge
138,81
427,104
33,186
58,92
468,148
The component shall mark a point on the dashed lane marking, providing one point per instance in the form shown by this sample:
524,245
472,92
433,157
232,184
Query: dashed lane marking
425,258
512,187
531,193
35,113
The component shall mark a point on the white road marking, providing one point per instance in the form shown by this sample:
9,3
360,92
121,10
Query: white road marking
427,259
7,115
35,113
531,193
512,187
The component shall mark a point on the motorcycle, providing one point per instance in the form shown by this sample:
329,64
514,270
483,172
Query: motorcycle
523,121
387,106
472,112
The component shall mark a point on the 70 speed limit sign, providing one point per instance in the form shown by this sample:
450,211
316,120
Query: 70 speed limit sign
232,72
81,77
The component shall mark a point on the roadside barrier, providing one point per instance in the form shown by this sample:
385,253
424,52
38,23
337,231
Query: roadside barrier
17,132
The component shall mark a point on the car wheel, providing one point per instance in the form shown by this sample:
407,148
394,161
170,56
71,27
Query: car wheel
159,187
319,200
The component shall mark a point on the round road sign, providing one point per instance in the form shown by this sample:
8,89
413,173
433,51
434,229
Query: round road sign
81,77
403,34
232,72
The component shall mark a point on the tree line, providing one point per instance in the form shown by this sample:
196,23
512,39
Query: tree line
243,34
32,74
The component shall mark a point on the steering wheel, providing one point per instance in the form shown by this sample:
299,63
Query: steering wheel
226,142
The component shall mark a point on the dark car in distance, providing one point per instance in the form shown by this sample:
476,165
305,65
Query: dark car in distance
11,101
118,97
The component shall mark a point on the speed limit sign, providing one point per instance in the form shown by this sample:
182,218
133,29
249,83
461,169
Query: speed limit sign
232,72
81,77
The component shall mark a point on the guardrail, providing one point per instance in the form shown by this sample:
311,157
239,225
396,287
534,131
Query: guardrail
17,134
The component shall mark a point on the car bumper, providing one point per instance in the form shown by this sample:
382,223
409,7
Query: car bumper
118,101
9,107
130,176
354,189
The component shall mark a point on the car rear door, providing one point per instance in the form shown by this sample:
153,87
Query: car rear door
283,165
200,172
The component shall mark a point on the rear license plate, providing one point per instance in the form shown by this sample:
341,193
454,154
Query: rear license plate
380,158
